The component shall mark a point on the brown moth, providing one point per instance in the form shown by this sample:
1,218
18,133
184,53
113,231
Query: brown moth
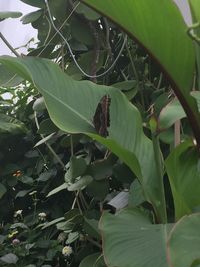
101,119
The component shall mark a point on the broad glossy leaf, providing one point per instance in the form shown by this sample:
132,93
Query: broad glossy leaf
184,242
131,240
66,102
183,169
164,39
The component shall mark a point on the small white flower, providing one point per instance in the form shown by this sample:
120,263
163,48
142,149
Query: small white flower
18,213
15,241
67,251
42,216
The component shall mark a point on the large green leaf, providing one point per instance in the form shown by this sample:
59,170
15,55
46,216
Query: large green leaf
184,242
131,240
72,104
164,39
184,174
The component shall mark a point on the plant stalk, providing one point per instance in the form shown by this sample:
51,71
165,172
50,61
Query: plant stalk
9,45
159,169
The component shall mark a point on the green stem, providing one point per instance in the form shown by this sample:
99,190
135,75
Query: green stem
159,169
49,147
71,145
197,50
135,74
9,45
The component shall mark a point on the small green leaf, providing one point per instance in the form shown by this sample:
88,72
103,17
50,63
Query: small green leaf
129,88
101,169
45,176
31,17
47,127
71,214
81,184
44,140
87,12
19,225
9,258
57,189
72,237
39,104
91,228
22,193
98,189
170,114
196,95
9,14
53,222
36,3
77,168
81,32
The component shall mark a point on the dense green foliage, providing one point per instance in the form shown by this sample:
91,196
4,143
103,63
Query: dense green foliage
58,173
